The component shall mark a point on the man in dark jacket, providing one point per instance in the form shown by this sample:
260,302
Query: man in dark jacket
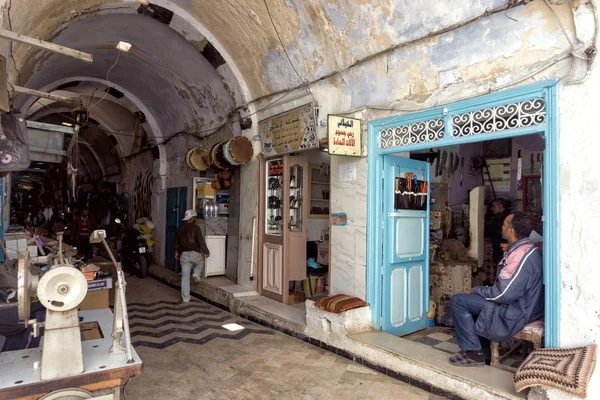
502,310
190,249
493,227
83,226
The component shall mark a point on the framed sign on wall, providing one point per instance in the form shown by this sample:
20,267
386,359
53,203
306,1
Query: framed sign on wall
344,136
289,132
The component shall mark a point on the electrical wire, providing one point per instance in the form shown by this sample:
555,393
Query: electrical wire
124,386
12,54
592,51
286,52
105,94
557,18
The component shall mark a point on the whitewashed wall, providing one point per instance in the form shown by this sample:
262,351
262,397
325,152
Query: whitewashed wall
580,216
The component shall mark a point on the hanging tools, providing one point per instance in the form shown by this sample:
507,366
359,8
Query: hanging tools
443,162
454,165
532,164
462,170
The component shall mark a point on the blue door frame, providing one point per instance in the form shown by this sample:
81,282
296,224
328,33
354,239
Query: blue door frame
546,91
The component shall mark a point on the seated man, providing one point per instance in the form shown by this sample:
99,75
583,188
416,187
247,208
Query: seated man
502,310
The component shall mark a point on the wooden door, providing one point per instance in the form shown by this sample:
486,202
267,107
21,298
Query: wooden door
295,210
270,216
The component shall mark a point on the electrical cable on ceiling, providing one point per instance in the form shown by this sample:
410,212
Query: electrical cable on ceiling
107,89
286,52
12,54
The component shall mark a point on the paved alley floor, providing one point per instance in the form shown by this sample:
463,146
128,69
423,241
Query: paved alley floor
187,354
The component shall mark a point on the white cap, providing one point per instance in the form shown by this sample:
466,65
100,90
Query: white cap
189,214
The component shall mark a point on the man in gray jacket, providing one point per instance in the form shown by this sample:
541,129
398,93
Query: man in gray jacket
501,310
190,249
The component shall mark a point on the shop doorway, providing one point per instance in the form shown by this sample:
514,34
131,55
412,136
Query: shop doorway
405,285
399,303
294,227
176,206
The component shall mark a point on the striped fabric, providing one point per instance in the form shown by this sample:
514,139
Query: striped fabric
339,303
566,369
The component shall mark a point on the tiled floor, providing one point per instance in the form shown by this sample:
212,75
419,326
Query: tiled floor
443,338
188,355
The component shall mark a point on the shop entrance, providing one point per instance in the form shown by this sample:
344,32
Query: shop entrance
294,227
501,146
405,245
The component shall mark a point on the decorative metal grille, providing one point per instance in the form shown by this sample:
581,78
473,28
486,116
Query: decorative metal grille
419,132
501,118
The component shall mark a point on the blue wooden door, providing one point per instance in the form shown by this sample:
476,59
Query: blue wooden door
405,276
176,205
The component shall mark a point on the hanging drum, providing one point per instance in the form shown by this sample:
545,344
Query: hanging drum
198,159
238,151
216,157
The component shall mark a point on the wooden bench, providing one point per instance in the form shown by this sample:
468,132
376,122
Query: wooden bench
533,333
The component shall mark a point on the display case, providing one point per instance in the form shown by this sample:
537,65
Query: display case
319,185
283,211
274,197
296,209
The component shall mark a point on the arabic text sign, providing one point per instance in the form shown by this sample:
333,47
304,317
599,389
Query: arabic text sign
291,131
344,136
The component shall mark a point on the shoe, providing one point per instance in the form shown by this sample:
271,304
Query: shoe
468,359
196,279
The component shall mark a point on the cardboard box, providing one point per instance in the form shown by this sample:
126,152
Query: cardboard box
16,242
95,300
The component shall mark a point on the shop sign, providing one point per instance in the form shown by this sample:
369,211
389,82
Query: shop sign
275,167
344,136
289,132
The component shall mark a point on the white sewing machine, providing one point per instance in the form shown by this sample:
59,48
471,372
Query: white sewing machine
64,367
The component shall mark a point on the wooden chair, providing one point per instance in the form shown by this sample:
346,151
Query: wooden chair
533,333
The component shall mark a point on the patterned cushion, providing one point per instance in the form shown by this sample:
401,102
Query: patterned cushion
565,369
339,303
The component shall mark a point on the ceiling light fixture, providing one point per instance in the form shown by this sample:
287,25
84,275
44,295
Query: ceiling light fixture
67,124
123,46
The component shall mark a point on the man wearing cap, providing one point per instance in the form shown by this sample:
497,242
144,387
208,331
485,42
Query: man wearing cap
190,249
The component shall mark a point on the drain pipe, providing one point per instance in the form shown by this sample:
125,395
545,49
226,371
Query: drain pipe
253,251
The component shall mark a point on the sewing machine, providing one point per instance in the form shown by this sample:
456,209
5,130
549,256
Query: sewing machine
65,367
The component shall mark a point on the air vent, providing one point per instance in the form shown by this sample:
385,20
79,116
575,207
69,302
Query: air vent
155,153
140,116
114,92
159,13
213,56
68,85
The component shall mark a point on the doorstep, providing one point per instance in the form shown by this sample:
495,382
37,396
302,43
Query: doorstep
411,362
413,359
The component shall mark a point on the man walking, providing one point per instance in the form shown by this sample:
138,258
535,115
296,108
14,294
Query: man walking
502,310
190,249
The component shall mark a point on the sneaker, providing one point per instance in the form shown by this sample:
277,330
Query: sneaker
196,279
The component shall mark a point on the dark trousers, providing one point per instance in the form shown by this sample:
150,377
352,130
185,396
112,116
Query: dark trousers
465,309
84,248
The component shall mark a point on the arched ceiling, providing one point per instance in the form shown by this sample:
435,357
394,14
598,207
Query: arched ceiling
321,37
